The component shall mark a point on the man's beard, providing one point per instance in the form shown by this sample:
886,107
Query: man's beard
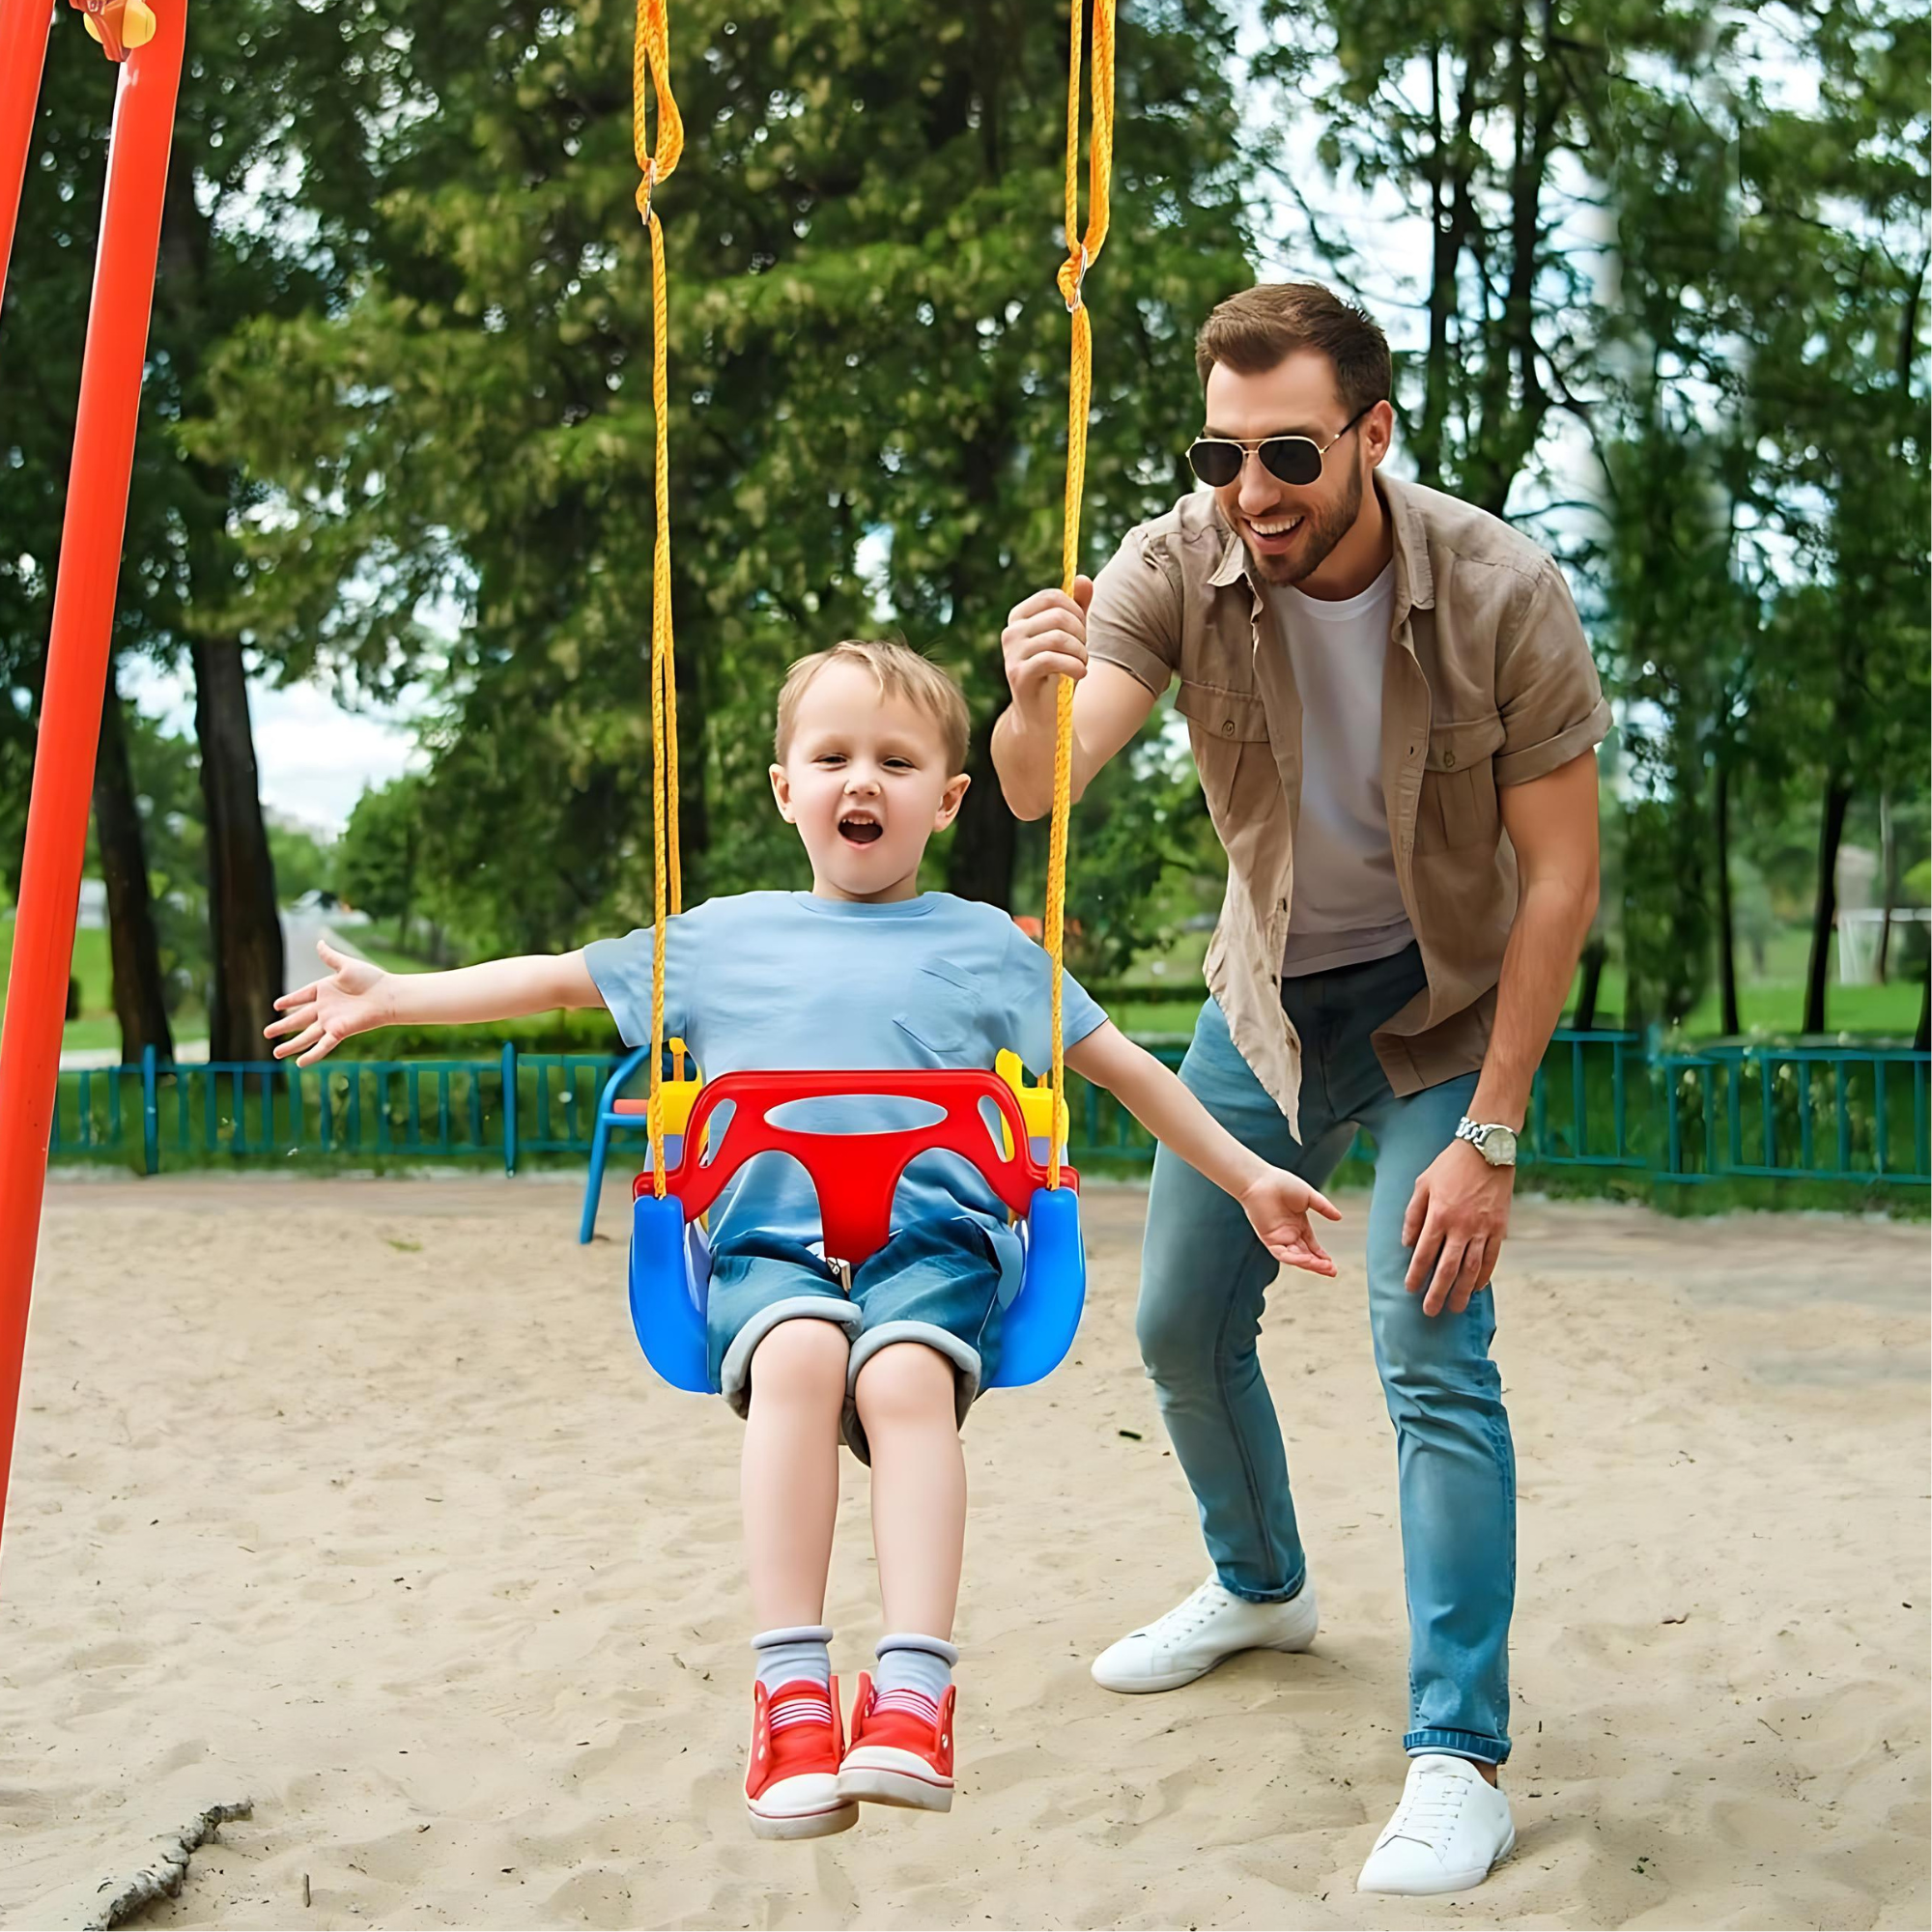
1324,530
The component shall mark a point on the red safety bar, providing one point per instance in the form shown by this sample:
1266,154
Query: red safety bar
856,1173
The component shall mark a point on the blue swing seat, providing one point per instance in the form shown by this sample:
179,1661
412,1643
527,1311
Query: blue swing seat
855,1175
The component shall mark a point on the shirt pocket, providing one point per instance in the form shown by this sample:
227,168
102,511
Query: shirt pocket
941,1008
1222,716
1458,784
1230,737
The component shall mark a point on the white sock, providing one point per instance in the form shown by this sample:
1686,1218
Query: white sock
915,1673
799,1654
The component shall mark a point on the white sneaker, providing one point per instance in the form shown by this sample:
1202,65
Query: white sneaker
1210,1627
1449,1828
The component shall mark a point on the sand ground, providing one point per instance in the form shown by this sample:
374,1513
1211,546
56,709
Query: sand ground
354,1498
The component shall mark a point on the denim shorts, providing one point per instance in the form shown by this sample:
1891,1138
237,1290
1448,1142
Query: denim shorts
937,1282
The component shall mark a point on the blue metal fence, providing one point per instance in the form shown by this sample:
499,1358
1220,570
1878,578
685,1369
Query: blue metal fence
1819,1113
1836,1113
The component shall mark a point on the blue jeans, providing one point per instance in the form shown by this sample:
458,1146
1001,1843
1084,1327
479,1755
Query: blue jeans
1203,1280
936,1281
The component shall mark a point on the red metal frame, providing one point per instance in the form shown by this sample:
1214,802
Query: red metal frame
90,569
855,1174
24,27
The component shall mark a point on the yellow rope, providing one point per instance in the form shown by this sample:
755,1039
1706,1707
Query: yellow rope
650,62
1081,256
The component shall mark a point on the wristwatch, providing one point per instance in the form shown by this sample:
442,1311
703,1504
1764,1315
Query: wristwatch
1496,1142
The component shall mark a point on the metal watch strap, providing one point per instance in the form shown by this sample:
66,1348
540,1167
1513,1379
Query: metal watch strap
1477,1132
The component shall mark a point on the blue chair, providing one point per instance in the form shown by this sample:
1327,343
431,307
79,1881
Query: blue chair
611,1112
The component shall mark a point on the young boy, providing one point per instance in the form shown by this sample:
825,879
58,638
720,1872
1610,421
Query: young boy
863,971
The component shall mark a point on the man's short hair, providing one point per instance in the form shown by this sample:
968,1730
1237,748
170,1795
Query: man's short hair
1262,326
901,672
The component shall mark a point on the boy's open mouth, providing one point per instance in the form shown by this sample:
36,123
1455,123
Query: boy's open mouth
859,831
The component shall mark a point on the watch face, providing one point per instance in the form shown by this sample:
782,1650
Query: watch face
1500,1147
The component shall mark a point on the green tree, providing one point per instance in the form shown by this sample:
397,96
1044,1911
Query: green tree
140,993
1486,124
1488,127
164,779
1833,262
379,858
303,862
258,171
868,414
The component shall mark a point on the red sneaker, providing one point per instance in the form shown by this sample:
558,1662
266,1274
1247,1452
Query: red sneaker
901,1752
791,1790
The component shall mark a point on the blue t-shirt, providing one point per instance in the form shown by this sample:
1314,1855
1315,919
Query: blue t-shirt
785,982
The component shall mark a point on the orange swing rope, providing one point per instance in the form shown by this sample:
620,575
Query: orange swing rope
650,61
1081,256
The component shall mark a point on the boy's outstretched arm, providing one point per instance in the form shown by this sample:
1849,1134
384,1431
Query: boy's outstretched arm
358,997
1275,1202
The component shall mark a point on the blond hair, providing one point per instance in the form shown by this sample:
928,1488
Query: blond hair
901,672
1262,326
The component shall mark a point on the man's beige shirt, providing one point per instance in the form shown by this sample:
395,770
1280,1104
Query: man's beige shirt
1489,681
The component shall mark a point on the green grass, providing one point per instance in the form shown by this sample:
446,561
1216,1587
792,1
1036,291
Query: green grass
1147,1001
94,1034
91,966
1777,1007
1144,1002
1773,1002
97,1027
372,949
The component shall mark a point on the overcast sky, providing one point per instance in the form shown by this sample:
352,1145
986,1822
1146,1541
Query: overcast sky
315,759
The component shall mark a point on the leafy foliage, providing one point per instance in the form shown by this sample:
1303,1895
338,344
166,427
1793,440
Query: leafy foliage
867,416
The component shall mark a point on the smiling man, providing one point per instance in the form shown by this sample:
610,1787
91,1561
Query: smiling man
1394,713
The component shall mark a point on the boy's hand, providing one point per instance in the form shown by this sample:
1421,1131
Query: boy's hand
354,999
1277,1205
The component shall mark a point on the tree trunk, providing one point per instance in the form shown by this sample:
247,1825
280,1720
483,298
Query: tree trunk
140,1001
1727,943
986,839
693,811
1451,216
1595,951
246,926
1887,843
408,889
1830,832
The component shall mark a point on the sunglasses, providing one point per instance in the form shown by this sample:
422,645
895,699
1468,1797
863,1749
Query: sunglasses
1217,460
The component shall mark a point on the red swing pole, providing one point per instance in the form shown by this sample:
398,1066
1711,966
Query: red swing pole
69,723
24,27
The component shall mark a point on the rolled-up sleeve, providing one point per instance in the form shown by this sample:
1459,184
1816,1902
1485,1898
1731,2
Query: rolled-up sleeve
1548,689
1134,620
622,970
1026,980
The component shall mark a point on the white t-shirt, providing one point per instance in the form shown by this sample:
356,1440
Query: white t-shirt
1347,908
